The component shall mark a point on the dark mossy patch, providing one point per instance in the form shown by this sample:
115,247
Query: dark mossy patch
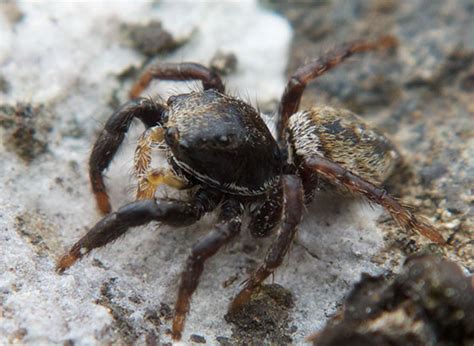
150,39
265,319
27,129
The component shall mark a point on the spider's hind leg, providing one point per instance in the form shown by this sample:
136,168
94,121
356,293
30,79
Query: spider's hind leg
291,98
338,175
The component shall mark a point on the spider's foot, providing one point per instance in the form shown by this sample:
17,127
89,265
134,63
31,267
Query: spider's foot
240,300
65,262
178,325
430,232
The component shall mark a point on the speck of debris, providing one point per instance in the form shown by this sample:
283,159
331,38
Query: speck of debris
150,39
265,319
73,128
430,302
223,341
17,336
27,129
11,11
230,281
151,339
197,339
166,312
224,63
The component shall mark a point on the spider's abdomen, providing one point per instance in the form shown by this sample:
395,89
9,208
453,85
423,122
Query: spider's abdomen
344,138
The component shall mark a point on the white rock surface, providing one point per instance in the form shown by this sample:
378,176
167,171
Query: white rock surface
67,56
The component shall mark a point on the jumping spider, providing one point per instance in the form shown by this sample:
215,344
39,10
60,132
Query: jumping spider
219,147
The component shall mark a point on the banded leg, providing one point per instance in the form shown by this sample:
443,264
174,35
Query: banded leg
291,98
338,175
113,225
149,179
206,247
293,211
111,137
177,72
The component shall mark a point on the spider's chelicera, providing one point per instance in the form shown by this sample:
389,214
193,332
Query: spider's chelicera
220,149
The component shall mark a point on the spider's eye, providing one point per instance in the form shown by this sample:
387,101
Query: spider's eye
171,135
224,140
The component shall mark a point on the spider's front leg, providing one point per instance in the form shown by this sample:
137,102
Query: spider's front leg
177,72
338,175
293,206
291,98
148,111
206,247
113,225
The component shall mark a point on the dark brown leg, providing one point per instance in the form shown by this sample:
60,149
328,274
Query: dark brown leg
338,175
177,72
267,215
111,137
206,247
291,98
113,225
293,211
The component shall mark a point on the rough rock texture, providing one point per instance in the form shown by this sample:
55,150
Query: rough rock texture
71,65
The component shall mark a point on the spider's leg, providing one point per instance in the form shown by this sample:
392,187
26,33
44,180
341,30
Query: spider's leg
113,225
338,175
267,215
293,210
177,72
291,98
105,147
206,247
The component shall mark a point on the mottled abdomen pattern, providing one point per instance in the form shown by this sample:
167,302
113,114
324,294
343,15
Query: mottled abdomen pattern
344,138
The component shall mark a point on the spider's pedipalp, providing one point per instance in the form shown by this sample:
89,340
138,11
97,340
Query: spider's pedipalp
267,214
148,179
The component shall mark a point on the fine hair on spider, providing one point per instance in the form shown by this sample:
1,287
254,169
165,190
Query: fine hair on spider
220,150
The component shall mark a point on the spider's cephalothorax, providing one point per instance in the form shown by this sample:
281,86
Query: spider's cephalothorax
221,141
220,147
